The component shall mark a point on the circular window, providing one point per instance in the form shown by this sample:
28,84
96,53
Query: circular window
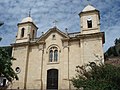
17,69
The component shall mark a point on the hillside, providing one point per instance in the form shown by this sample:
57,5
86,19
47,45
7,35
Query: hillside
113,51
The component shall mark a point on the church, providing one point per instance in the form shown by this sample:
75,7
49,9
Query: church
49,61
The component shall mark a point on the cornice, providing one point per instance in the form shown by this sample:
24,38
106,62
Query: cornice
83,36
88,12
27,23
27,43
20,44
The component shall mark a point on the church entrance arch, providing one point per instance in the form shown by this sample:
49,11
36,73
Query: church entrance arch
52,79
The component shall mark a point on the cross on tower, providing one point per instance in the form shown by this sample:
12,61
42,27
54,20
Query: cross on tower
55,22
29,14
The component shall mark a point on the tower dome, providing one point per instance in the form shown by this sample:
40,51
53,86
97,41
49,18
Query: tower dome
27,19
89,8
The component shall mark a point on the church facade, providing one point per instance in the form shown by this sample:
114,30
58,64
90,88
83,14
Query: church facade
49,61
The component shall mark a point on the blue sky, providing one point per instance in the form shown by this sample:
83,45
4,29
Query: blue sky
44,12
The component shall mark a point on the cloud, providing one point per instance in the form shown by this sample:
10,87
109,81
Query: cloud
110,35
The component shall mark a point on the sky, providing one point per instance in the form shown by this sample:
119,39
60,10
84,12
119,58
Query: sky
65,12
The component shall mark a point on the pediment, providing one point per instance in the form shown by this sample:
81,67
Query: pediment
50,31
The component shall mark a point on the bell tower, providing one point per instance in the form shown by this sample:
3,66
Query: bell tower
27,30
90,20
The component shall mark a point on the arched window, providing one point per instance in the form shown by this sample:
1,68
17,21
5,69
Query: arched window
53,37
53,54
22,32
89,23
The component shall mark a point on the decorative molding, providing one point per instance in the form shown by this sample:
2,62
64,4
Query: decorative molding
87,29
53,45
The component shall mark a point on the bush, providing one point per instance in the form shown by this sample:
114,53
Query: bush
102,77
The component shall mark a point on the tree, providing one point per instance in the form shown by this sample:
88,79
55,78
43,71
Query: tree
6,66
102,77
6,63
117,41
